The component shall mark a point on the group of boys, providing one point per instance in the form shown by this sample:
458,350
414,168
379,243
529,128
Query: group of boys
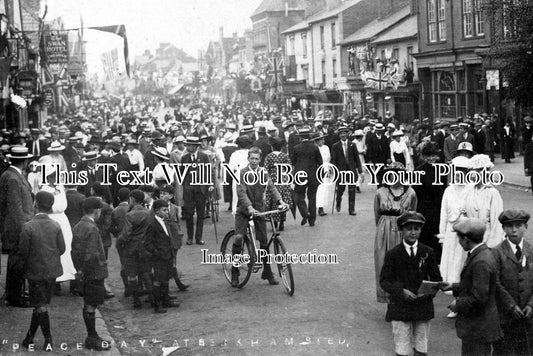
494,299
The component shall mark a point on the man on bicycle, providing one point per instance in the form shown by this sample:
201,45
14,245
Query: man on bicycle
251,192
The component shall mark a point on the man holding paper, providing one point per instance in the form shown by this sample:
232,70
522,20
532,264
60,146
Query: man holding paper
407,274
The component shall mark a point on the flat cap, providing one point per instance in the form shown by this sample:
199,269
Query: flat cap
511,215
92,203
44,200
159,203
411,217
137,195
470,227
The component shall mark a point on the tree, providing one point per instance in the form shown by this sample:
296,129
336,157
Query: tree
512,44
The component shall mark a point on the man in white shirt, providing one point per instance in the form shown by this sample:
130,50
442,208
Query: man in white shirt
134,155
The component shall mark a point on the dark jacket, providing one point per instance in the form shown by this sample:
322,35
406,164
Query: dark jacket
306,157
74,210
158,243
263,144
377,149
87,250
352,164
16,206
516,282
40,248
174,223
478,319
118,218
138,219
401,271
200,158
528,159
104,224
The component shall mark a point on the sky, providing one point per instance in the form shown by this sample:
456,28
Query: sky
188,24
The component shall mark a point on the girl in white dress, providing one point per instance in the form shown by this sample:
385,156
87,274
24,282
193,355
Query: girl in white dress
58,214
324,191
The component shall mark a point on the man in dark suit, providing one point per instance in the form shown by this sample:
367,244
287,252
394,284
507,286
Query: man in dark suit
451,143
464,135
40,248
251,200
479,139
478,322
263,143
135,257
378,146
404,269
156,140
118,219
159,244
195,195
37,146
228,150
88,163
440,136
306,157
514,258
16,208
89,259
345,157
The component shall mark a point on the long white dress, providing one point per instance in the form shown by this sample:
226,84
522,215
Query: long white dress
58,214
324,191
486,203
453,255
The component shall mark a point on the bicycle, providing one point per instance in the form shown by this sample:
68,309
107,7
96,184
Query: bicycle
249,248
213,207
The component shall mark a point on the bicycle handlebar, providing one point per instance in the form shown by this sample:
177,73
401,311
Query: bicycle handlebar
270,212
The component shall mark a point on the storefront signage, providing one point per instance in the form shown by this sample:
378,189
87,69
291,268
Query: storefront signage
56,48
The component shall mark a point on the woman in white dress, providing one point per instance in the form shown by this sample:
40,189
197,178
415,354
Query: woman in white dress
58,214
399,151
485,202
360,143
452,209
324,191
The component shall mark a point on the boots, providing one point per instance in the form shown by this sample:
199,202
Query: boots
44,322
158,308
321,212
93,341
182,287
235,277
267,271
127,290
135,289
147,282
34,325
165,298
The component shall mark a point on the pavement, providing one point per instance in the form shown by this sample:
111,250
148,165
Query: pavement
68,329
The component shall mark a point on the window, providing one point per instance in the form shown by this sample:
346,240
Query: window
304,44
334,64
333,35
396,53
510,24
410,57
323,73
305,72
291,45
473,19
383,55
436,20
321,37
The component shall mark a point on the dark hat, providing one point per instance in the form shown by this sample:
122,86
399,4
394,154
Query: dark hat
159,203
156,135
511,215
470,227
262,130
168,188
91,203
146,188
243,141
528,119
44,200
430,149
137,195
411,217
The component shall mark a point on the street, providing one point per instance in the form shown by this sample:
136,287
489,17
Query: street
333,311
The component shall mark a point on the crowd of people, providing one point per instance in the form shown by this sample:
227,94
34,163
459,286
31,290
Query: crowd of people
41,193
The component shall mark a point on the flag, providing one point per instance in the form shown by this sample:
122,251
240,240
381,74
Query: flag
121,31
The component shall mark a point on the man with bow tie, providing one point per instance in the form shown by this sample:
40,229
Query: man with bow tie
514,258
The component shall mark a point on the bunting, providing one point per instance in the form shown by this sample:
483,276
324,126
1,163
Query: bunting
119,30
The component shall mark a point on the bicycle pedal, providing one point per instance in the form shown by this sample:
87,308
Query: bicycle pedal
257,267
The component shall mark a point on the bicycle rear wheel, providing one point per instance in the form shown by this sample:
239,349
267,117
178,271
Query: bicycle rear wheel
284,268
245,270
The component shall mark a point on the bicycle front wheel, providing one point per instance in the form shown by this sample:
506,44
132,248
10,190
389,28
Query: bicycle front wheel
284,268
245,270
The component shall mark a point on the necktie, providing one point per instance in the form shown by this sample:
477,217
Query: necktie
518,252
193,158
412,252
345,149
36,148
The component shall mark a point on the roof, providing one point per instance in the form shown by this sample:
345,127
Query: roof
320,16
377,26
278,5
403,29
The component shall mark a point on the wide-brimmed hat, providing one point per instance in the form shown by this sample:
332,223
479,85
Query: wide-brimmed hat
461,162
262,130
397,133
481,161
161,152
90,156
19,152
192,140
55,147
395,166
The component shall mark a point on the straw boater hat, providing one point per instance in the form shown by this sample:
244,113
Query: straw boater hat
379,126
160,152
192,140
55,147
179,139
90,156
19,152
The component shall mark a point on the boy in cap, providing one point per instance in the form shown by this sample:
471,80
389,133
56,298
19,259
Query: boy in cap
478,322
514,259
40,248
159,243
89,259
404,269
